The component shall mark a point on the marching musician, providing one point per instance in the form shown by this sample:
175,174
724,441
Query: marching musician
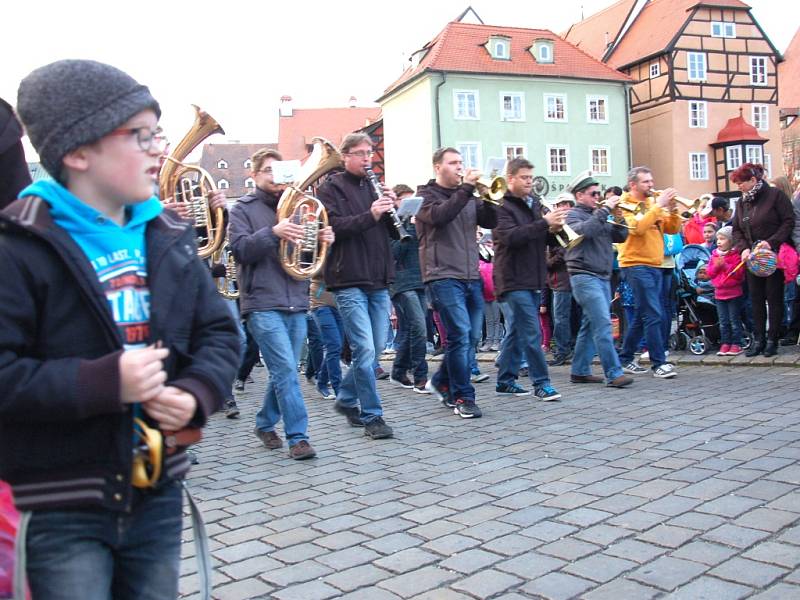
358,271
448,256
590,264
640,259
273,304
520,275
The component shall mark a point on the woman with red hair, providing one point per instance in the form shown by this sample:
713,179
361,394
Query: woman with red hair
764,219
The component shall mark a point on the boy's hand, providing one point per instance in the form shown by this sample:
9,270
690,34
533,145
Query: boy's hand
173,408
182,208
141,374
217,199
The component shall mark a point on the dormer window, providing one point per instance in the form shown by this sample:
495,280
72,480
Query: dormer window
499,47
542,51
221,164
248,164
223,184
249,183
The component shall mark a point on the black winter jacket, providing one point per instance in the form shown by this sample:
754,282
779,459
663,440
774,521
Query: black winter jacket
65,436
520,240
360,256
447,224
14,173
771,219
263,284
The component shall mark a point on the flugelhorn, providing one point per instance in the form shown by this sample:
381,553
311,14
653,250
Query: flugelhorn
570,237
190,184
392,213
304,258
491,190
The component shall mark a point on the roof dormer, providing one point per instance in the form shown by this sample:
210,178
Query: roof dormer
542,51
499,47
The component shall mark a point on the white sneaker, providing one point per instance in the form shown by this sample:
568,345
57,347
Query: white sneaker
645,356
665,371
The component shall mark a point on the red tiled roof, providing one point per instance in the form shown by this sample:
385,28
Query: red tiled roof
788,81
738,130
655,26
459,48
594,33
295,132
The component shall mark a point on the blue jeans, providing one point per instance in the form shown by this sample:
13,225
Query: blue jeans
594,337
460,306
730,324
364,315
562,325
280,336
524,336
668,304
97,554
329,324
516,358
315,365
648,316
410,342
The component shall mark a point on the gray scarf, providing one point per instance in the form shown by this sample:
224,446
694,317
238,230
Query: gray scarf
751,195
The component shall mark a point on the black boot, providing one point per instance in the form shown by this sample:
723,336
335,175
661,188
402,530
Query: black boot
756,348
771,349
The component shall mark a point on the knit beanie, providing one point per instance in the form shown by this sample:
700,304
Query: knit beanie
726,232
69,103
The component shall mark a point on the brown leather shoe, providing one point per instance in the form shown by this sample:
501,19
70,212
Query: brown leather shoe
270,439
302,450
621,381
586,379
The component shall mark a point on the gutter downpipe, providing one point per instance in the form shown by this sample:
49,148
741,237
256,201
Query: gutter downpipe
438,124
627,92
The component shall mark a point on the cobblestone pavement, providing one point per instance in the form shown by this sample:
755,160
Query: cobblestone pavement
688,488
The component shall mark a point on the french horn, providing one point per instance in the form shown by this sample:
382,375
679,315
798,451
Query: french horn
304,258
191,184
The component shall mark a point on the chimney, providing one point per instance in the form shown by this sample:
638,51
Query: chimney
352,102
286,106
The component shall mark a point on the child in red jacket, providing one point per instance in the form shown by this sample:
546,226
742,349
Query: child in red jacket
727,276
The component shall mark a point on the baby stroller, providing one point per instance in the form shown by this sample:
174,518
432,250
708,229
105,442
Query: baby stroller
698,325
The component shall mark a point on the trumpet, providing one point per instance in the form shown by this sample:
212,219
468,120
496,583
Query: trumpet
570,237
492,190
690,207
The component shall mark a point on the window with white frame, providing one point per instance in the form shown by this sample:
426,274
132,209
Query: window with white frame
723,29
557,160
512,106
697,114
543,51
555,107
760,116
249,183
500,48
221,164
512,151
465,104
655,70
597,109
223,184
768,166
599,160
758,70
754,154
696,62
698,166
248,164
470,154
733,157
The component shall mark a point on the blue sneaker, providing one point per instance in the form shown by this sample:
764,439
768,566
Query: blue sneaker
511,389
547,393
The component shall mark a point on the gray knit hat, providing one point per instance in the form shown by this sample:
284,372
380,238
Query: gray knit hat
69,103
726,231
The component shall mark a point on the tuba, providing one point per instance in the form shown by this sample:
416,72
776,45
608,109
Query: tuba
303,259
191,184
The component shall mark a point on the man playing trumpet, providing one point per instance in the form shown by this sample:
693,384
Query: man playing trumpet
640,258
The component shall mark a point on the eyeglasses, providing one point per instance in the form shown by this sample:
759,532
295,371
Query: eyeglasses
361,154
146,138
267,170
596,194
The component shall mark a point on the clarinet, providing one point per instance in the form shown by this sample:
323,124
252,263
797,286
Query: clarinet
396,222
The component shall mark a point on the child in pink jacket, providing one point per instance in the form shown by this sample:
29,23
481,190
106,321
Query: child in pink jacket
727,277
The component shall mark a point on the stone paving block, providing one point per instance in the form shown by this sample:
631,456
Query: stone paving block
470,560
248,568
768,519
602,534
486,583
244,534
733,535
704,552
370,593
311,590
341,539
729,506
784,555
348,557
242,551
791,535
406,560
568,548
748,572
699,521
530,565
528,516
667,535
416,582
339,523
670,505
243,590
451,544
779,591
291,537
513,544
431,531
667,572
711,588
357,577
557,586
637,520
710,488
443,594
298,553
394,542
386,526
621,589
618,503
600,567
296,573
488,530
636,551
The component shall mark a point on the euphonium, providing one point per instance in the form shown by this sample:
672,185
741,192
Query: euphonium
227,284
302,260
191,184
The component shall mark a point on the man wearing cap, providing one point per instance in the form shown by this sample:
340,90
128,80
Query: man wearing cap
519,276
558,282
716,210
589,264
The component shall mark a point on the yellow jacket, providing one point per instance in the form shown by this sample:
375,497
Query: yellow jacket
645,243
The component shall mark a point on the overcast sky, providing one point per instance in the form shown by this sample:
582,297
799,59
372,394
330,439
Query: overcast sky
236,58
